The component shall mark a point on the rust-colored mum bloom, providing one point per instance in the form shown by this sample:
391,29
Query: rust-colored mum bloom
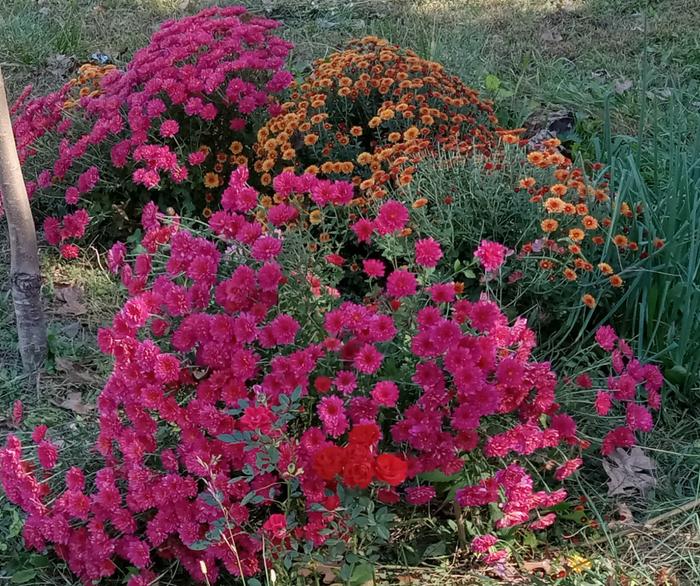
589,300
620,240
589,222
549,225
570,274
559,189
616,281
576,234
212,180
380,106
554,205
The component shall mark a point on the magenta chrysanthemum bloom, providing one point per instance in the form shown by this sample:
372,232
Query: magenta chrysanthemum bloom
442,293
169,128
491,255
392,217
385,393
401,283
363,229
482,543
373,267
638,418
332,415
428,252
419,495
345,381
606,337
568,468
620,437
266,248
48,454
603,402
368,359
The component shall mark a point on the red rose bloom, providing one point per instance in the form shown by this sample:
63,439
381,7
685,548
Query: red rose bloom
328,462
358,470
391,469
365,434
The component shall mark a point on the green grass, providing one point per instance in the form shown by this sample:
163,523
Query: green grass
546,55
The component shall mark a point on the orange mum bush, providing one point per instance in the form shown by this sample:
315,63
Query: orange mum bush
588,235
368,113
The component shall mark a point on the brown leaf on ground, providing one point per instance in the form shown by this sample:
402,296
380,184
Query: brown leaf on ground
74,402
625,518
71,299
629,472
551,36
623,85
75,373
543,567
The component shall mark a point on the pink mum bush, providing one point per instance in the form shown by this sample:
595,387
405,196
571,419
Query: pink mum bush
249,407
169,127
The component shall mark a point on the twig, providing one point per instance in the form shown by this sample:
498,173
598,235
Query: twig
461,533
689,506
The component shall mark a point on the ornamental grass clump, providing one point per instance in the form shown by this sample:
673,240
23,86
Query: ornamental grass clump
367,114
183,113
253,415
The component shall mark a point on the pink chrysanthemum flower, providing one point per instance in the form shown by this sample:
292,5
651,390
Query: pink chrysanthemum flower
419,495
606,337
373,267
401,283
428,252
491,255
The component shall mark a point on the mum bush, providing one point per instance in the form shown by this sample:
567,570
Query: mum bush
367,113
254,416
168,128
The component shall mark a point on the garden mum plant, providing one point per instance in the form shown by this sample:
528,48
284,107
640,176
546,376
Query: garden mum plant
252,411
169,128
368,113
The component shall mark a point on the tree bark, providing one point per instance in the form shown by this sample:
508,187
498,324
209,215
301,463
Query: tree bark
25,275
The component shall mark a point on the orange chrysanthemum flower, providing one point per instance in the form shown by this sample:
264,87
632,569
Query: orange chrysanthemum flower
620,240
554,205
589,300
549,225
527,183
419,203
576,234
616,281
211,180
570,274
589,222
559,189
605,268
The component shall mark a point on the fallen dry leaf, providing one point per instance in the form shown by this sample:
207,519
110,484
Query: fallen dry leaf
625,517
71,298
74,402
75,373
630,471
551,36
623,85
538,566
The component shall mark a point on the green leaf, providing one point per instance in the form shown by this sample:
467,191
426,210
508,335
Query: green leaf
435,550
253,582
23,576
199,545
492,83
361,574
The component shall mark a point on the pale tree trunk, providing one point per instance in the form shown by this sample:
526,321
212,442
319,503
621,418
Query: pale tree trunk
25,275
